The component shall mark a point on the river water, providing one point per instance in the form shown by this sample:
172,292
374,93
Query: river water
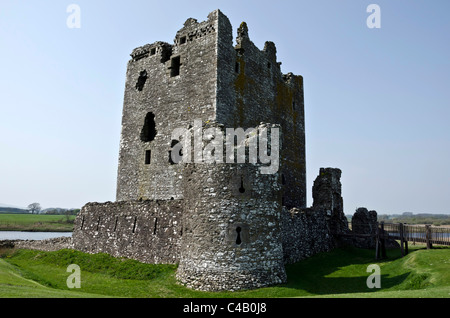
18,235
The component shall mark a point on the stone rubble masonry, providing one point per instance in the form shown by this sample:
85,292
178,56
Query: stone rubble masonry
228,226
305,232
327,196
49,245
148,231
366,222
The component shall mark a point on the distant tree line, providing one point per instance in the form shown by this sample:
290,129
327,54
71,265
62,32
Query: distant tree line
35,208
12,210
59,211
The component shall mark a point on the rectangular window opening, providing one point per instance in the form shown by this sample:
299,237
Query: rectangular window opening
148,157
153,51
183,40
175,66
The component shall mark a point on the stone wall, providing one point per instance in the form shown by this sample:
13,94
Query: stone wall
149,231
366,222
48,245
305,232
327,197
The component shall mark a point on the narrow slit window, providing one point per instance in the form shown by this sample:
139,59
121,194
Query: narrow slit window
242,189
238,238
175,66
148,157
134,224
115,224
156,224
236,67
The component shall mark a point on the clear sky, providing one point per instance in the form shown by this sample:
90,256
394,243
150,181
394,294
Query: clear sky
377,100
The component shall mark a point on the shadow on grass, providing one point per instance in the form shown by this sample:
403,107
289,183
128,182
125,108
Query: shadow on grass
341,271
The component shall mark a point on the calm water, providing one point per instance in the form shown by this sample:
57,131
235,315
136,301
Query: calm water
17,235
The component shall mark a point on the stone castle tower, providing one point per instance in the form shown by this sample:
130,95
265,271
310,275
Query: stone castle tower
204,76
228,225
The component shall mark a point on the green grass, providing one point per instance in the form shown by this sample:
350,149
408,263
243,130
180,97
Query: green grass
339,273
36,222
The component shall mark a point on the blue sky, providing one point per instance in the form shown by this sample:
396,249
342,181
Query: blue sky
377,101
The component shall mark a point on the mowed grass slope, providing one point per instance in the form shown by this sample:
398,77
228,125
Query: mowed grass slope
339,273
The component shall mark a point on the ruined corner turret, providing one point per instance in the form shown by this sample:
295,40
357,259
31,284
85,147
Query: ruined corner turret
327,197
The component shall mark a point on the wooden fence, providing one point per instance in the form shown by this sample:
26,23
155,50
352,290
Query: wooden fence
405,233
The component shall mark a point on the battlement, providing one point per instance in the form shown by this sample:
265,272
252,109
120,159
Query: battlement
217,22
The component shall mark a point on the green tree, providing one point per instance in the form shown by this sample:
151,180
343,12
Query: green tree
34,208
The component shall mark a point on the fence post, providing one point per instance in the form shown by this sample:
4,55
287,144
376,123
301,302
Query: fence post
377,243
400,228
428,236
405,232
383,241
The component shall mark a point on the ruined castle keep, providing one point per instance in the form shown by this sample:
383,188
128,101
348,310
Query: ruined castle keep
228,226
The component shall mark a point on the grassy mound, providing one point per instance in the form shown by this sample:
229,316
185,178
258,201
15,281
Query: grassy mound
339,273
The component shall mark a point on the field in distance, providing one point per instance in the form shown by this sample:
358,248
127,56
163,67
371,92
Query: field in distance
36,222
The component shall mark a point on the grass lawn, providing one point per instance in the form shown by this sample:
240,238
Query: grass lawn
36,222
340,273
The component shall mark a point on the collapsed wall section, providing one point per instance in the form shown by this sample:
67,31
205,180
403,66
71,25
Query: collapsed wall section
309,231
148,231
